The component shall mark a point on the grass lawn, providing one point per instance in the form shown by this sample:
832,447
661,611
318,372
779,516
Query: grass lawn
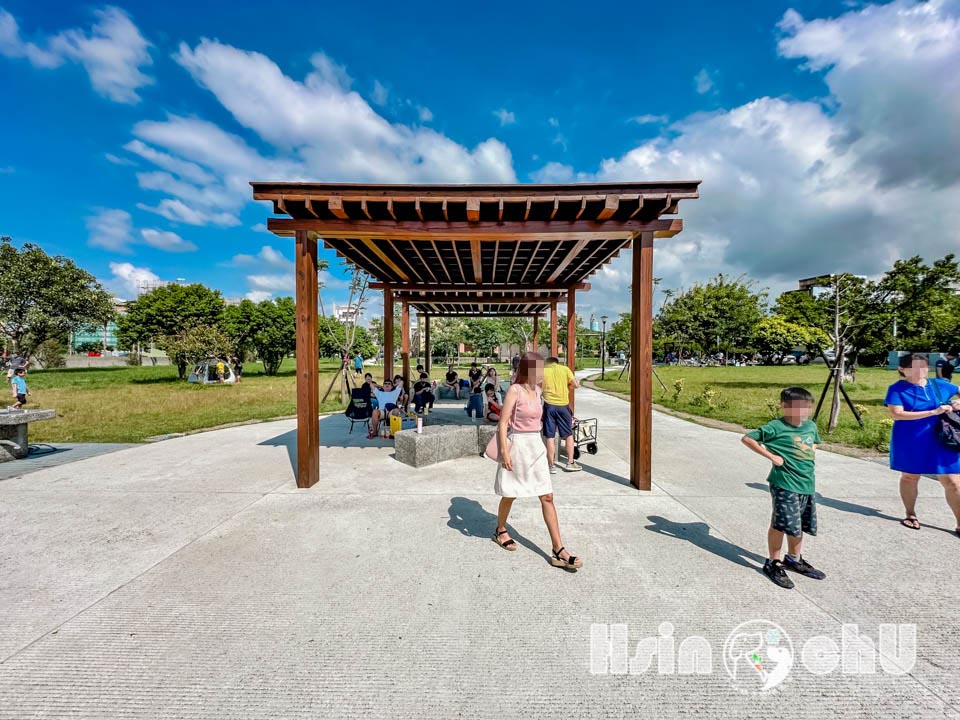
749,396
130,404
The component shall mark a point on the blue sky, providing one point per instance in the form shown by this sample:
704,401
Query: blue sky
823,131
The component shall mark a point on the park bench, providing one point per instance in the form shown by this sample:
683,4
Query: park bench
13,431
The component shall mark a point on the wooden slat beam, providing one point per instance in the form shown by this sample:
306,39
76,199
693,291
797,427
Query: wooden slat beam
390,209
475,256
405,345
487,287
531,230
308,354
473,210
568,258
335,205
308,203
554,330
473,299
443,265
610,206
386,259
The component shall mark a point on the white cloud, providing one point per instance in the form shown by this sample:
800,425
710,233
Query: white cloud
187,170
380,93
424,114
178,211
258,295
506,117
119,160
166,240
649,119
260,228
110,229
327,130
553,122
329,71
127,279
705,81
112,51
553,172
268,257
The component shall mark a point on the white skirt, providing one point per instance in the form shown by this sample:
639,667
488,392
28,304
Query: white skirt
530,476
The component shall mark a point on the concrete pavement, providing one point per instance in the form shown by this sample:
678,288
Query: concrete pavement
191,579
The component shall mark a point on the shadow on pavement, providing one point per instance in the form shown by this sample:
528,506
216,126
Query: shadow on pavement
698,533
470,519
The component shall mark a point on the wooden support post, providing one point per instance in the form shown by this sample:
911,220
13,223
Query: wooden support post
405,344
572,336
427,363
308,361
641,361
554,345
388,333
536,333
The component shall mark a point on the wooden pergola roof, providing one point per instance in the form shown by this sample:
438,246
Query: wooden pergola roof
480,249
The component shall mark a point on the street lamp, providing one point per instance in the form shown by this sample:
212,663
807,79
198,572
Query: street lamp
603,349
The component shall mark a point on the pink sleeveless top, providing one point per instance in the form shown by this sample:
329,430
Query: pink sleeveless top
528,413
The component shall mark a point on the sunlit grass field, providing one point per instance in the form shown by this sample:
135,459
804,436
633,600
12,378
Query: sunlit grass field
748,396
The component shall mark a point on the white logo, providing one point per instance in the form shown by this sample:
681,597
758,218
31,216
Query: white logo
758,656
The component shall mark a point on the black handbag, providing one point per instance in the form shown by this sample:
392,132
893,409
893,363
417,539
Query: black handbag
948,424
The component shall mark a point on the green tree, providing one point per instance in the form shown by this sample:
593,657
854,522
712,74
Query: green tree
44,297
619,334
483,334
519,331
275,336
166,312
240,322
776,336
193,343
717,315
331,336
446,334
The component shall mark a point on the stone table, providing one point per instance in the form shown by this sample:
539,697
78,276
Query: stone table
13,431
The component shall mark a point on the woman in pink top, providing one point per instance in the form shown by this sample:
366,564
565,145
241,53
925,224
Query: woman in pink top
523,470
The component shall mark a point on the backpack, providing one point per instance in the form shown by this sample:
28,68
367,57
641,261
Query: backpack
947,427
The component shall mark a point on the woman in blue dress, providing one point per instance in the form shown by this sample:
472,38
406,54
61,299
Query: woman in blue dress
914,404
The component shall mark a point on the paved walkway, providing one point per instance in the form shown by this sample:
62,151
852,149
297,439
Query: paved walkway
191,579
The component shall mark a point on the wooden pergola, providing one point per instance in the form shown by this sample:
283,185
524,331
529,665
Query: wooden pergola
475,250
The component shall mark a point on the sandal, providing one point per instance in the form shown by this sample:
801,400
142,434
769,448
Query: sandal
911,522
506,544
571,563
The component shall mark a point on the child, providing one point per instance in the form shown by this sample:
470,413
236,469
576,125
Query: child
19,387
789,443
493,404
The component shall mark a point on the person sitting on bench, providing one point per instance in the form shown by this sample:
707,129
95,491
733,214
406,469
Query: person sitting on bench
386,401
422,393
493,404
452,381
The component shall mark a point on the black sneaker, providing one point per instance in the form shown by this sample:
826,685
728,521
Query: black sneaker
803,567
773,569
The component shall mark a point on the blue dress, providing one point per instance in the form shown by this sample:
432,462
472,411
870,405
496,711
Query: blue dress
913,446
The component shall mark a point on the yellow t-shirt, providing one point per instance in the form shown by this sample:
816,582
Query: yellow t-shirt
556,384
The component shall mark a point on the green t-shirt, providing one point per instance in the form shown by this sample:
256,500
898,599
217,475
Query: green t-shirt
795,446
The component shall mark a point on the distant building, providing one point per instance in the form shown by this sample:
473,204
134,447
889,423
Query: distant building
346,313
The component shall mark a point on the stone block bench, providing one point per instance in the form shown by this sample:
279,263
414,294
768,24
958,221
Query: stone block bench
13,431
441,442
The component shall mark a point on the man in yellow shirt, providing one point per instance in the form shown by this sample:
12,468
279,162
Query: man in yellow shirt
558,381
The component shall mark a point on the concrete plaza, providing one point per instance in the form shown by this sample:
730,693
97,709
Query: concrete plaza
190,579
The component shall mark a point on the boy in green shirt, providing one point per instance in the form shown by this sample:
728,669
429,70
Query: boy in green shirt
789,442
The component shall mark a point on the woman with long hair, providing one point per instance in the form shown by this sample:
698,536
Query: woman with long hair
523,470
914,402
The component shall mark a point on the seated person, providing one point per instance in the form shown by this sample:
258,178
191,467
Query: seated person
423,393
493,404
476,376
493,379
386,401
404,399
474,406
452,381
